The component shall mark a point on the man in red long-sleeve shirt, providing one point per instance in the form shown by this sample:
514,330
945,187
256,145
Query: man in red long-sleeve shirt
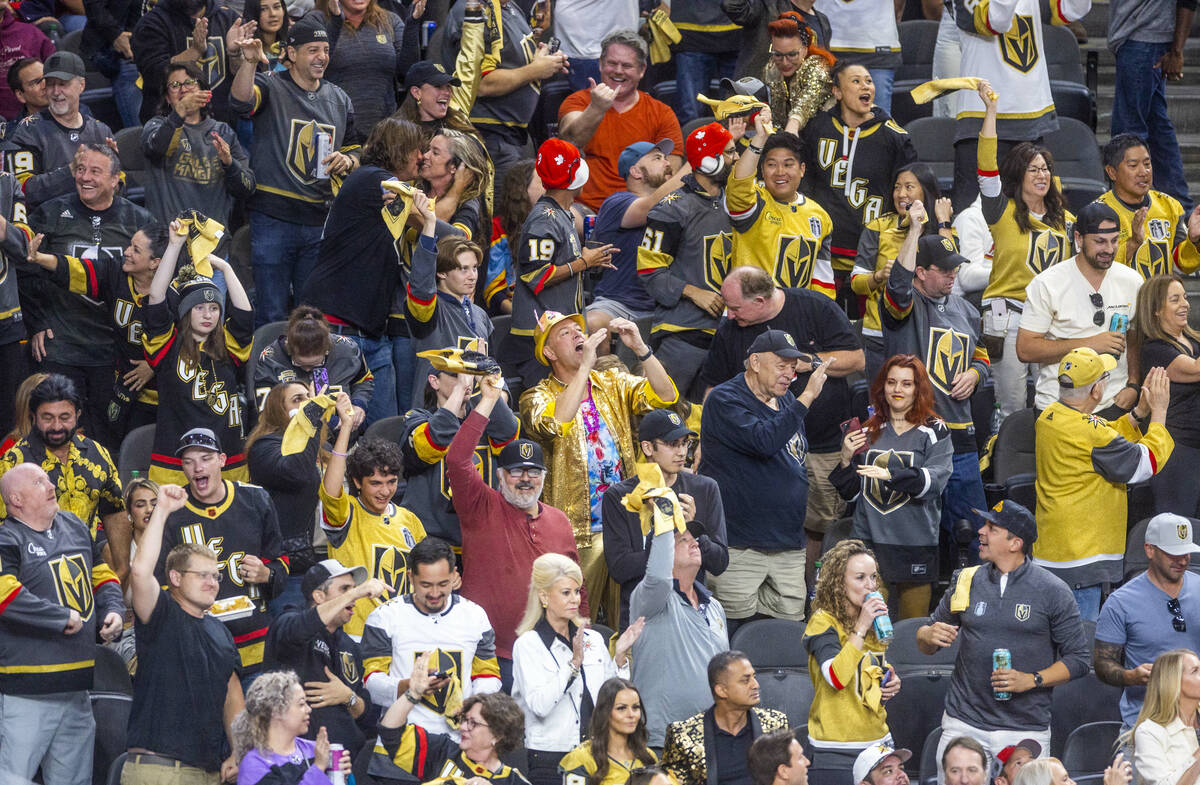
504,529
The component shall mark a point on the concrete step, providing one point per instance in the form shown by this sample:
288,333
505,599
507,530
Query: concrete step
1108,62
1183,106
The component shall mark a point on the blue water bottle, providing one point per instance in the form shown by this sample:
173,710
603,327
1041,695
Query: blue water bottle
882,624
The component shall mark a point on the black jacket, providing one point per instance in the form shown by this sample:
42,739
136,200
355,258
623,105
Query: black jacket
165,31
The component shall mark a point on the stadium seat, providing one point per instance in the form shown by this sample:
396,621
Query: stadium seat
1090,749
1013,453
1063,62
1022,489
772,643
665,91
1135,554
1077,162
1075,101
133,163
692,125
110,673
389,429
918,38
903,650
917,708
928,755
904,110
789,691
134,454
111,712
71,41
1079,702
801,734
934,139
553,94
114,771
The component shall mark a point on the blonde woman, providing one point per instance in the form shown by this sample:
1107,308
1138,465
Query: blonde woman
457,168
1050,771
559,665
267,736
1165,750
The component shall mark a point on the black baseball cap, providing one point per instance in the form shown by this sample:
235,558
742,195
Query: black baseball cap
1017,519
427,72
324,570
663,424
522,454
63,65
933,250
1092,215
198,437
777,342
307,31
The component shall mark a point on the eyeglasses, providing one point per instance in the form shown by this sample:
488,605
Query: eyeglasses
175,84
1037,170
470,722
1097,303
216,577
522,471
794,55
1177,620
32,83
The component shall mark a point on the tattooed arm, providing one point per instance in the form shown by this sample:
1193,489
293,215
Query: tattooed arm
1108,659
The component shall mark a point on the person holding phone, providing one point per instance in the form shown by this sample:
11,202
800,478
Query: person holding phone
897,465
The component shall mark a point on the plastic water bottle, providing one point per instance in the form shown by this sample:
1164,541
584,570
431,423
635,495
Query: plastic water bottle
882,624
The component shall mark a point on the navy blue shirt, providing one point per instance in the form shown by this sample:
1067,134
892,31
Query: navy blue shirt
757,456
621,284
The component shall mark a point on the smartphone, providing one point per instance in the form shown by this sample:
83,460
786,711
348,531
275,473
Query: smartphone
434,675
554,46
851,425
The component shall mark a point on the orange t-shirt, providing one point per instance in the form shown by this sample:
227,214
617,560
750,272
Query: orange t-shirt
648,121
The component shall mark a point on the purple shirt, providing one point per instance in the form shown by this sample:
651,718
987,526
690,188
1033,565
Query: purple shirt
18,39
257,765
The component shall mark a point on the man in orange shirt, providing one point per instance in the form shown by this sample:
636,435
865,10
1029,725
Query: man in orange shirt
605,119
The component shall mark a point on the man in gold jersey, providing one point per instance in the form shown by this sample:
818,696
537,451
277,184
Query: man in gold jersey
775,226
1156,237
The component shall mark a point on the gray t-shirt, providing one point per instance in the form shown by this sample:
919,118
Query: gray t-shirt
1151,21
1136,617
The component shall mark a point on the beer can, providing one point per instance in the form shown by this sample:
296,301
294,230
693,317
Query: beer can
882,624
1001,658
589,226
324,148
336,753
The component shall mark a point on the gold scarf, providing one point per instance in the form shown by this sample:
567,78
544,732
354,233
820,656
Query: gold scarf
658,505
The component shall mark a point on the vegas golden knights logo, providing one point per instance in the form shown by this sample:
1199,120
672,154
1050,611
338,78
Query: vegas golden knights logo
1018,47
73,582
212,63
1046,249
484,464
717,259
1182,529
880,498
391,567
794,264
946,357
450,663
349,666
302,148
526,451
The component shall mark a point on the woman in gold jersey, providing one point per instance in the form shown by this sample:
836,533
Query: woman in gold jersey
1031,231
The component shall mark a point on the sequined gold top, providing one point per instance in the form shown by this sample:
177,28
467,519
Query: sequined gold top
618,395
805,93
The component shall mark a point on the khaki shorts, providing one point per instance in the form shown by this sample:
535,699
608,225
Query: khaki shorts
766,582
825,504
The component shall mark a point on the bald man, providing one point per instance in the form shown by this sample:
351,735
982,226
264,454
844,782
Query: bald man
55,590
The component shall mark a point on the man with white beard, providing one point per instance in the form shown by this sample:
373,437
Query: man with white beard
504,529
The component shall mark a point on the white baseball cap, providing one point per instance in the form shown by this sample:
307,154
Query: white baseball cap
872,756
1172,534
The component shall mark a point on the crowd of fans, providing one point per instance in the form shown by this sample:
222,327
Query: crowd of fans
502,367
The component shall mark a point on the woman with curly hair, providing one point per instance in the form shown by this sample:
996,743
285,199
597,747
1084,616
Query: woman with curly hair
897,465
492,725
267,735
1032,230
846,663
518,192
797,72
618,742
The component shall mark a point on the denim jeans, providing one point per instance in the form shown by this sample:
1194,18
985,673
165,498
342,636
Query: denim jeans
1088,600
1140,107
377,352
404,360
127,94
694,72
283,254
963,494
883,77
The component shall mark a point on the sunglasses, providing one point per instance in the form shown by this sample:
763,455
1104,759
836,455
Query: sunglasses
1177,620
1097,303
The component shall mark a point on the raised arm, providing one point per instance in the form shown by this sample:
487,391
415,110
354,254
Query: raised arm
579,127
144,585
166,267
